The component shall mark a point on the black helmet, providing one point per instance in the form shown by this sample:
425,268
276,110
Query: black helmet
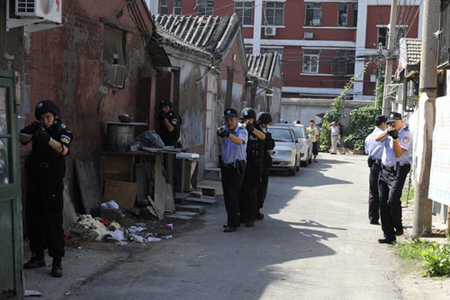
394,116
248,113
165,102
264,117
45,107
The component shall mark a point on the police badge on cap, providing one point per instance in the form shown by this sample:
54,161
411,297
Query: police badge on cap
230,113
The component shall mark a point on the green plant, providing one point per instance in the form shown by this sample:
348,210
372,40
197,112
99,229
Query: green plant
336,113
436,260
434,257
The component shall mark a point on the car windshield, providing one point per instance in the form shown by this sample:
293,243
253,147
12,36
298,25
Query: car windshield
299,132
281,134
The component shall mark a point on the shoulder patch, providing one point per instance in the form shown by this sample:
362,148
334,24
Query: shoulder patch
406,140
174,121
65,139
244,134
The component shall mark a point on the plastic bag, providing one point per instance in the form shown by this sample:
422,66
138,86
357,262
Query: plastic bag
147,139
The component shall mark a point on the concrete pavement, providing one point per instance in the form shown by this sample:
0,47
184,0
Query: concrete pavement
314,243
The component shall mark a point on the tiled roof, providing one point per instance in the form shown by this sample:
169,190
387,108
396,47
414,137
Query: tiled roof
205,36
261,66
413,51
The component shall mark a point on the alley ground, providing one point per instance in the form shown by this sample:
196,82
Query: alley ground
315,243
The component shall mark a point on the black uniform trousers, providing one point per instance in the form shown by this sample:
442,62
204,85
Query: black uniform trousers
231,184
262,189
390,187
44,215
374,202
248,199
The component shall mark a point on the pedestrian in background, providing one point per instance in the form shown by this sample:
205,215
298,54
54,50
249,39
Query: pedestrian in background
232,165
395,161
334,132
374,150
46,169
314,133
248,199
170,123
269,144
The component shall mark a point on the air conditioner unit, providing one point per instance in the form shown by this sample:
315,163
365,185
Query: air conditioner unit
308,35
50,10
270,31
114,75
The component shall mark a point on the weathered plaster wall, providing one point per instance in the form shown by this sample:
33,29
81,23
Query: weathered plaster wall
64,65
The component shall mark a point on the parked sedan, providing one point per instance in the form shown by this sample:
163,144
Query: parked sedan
304,142
286,154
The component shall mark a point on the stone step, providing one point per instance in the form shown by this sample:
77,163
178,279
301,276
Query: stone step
207,190
202,200
180,197
212,174
178,216
191,208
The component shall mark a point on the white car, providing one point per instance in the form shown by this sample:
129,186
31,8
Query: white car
304,142
286,154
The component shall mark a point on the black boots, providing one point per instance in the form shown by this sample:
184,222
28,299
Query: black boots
36,261
57,267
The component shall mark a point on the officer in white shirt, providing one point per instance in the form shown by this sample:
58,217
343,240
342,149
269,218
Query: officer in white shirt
395,161
374,150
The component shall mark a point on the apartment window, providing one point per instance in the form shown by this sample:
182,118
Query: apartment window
343,15
311,61
339,65
164,7
178,7
355,15
313,14
274,13
382,36
248,49
244,10
205,7
273,50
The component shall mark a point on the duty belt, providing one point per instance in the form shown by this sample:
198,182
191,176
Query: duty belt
228,166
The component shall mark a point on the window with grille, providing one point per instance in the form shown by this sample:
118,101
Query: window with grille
274,13
178,7
343,15
313,14
164,7
311,61
205,7
244,10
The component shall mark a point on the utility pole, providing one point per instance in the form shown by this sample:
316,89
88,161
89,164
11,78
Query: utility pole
392,36
428,83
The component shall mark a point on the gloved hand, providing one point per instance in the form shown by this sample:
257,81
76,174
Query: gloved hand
393,134
41,135
222,132
32,128
249,127
162,114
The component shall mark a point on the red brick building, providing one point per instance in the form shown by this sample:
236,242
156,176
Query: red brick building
323,43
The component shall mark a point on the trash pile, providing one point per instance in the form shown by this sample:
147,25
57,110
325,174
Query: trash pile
99,229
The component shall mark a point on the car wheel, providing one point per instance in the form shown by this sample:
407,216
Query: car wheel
291,171
310,160
297,166
304,163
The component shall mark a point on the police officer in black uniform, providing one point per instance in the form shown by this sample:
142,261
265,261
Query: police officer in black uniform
170,122
46,168
265,119
248,198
